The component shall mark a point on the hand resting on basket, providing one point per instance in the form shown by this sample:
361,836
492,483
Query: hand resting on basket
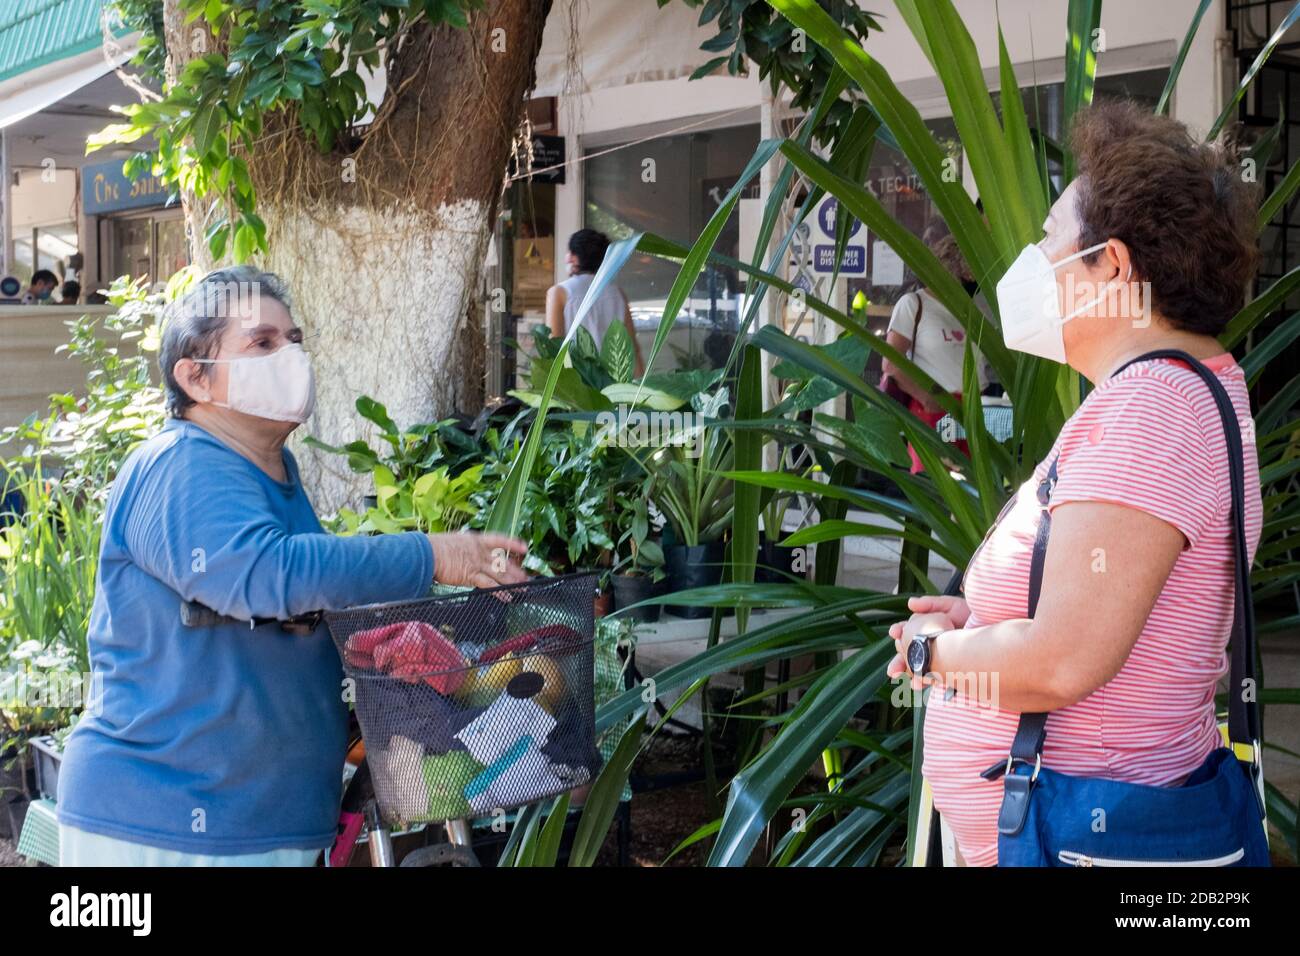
477,560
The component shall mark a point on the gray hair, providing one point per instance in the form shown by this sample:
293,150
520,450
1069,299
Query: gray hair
194,323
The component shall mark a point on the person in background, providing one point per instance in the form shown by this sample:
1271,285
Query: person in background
586,253
71,292
925,331
41,287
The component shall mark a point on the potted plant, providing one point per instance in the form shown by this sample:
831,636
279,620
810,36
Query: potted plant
638,568
696,500
565,515
778,563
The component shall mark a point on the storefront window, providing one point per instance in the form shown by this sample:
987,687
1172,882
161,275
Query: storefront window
173,250
131,245
670,186
151,246
45,247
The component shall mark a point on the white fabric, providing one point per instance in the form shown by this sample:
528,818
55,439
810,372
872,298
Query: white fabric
34,90
79,848
279,386
608,308
506,719
619,42
940,340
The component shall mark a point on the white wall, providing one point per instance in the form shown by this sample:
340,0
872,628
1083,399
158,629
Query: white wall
40,203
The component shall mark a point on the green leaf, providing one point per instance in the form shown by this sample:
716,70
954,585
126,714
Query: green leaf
904,122
603,800
758,790
631,394
1083,20
245,242
992,162
373,411
617,353
205,126
217,239
1020,141
1230,109
1259,309
1162,104
748,456
1279,198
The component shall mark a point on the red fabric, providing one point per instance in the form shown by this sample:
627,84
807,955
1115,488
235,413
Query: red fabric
558,634
411,651
930,419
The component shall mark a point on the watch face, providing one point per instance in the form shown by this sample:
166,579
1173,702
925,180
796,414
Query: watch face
917,652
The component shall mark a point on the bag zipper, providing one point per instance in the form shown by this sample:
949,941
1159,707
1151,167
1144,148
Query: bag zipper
1071,858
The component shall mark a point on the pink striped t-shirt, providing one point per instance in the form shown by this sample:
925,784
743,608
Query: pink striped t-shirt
1150,438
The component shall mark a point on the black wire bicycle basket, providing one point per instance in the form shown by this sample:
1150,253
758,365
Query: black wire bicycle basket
476,702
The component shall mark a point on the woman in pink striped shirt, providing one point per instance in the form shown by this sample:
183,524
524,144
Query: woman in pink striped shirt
1128,640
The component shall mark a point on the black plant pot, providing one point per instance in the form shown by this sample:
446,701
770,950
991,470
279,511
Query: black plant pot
17,784
693,566
630,589
775,561
16,811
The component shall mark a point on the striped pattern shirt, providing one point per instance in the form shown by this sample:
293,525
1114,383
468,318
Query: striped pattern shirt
1149,438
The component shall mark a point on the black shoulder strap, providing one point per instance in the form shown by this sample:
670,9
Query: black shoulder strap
1243,707
916,325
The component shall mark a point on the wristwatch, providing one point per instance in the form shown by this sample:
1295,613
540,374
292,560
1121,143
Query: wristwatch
918,652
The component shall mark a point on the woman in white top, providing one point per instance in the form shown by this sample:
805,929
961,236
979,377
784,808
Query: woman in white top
586,252
925,331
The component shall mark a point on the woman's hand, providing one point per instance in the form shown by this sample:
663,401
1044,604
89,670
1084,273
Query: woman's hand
956,608
931,612
477,560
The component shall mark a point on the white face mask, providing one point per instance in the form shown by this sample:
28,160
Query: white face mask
279,386
1030,305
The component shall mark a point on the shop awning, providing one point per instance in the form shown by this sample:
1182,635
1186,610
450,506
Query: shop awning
618,43
48,50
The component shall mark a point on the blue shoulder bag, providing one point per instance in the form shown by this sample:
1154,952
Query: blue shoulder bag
1216,817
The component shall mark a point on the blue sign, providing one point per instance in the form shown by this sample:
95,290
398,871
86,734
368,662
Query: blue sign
104,188
853,263
826,213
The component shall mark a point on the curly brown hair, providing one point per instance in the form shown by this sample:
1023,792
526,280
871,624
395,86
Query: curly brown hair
1182,207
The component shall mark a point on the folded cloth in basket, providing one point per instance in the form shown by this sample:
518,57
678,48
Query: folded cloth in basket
549,639
388,707
572,741
520,775
398,774
495,731
446,776
412,651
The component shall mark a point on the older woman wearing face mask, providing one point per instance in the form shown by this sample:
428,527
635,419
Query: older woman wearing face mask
223,744
1151,248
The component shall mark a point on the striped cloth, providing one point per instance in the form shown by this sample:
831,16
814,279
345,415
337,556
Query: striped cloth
1149,438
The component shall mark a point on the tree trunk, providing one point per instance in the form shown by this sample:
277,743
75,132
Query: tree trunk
186,42
381,242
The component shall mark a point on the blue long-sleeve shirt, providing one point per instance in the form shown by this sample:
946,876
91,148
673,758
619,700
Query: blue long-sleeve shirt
219,740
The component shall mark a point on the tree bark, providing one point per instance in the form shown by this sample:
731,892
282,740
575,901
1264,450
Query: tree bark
186,42
381,245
